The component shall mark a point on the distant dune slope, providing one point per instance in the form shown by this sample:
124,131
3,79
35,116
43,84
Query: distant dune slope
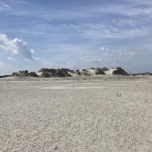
110,71
44,72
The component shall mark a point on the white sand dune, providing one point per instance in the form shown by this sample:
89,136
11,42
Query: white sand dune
49,115
39,73
91,71
110,71
73,74
87,72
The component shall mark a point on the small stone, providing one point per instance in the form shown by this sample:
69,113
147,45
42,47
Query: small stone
56,147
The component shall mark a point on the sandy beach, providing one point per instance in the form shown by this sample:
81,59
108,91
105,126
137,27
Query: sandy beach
76,114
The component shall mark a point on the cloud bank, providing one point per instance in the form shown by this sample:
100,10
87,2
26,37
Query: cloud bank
16,46
10,58
4,66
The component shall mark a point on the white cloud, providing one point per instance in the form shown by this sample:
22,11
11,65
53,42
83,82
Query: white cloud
20,1
90,59
5,5
137,51
37,59
104,49
111,32
70,26
16,46
71,64
123,22
32,51
130,54
10,58
106,52
47,63
74,26
4,66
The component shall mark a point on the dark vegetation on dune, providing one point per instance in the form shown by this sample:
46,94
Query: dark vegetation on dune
55,72
120,71
143,74
64,72
101,71
4,76
33,74
25,73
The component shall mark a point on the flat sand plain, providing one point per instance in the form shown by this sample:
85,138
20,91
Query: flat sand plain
76,114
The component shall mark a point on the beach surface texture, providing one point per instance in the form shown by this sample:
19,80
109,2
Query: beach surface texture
76,114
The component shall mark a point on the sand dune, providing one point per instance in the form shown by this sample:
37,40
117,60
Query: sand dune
110,71
86,72
91,71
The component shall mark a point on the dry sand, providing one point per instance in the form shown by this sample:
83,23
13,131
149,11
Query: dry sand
80,114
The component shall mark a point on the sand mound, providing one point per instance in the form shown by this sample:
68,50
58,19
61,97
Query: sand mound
110,71
84,72
73,74
91,72
117,71
39,73
120,71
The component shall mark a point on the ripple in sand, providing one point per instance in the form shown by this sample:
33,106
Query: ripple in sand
64,87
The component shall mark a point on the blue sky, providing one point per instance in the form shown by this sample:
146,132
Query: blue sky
37,34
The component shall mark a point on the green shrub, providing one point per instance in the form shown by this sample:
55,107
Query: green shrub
99,71
52,73
53,70
47,70
17,74
14,73
33,74
26,71
25,74
4,76
60,73
79,73
118,68
104,69
45,74
120,71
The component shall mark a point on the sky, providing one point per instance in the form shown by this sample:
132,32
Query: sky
75,34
